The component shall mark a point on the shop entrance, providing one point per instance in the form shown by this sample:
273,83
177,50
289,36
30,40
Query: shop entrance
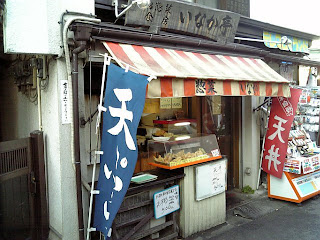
221,116
217,115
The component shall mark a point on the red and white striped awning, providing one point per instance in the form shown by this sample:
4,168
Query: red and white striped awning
185,74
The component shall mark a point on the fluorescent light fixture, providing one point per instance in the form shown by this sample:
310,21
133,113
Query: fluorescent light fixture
182,138
182,124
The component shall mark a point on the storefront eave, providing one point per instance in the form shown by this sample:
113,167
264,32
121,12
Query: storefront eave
293,59
249,27
128,35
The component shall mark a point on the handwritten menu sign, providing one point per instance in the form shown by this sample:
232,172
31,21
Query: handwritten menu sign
176,102
165,103
166,201
210,179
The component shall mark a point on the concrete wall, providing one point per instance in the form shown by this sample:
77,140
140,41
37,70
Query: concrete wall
31,26
19,116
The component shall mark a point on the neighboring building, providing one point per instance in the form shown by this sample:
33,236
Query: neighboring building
33,70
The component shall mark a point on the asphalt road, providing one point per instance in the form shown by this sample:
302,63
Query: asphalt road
287,221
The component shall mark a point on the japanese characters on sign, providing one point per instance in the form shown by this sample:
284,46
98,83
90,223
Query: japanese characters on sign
292,166
125,96
280,120
165,103
210,179
185,17
65,102
210,87
307,165
166,201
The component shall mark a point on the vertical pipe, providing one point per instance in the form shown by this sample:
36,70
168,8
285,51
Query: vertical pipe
39,103
77,135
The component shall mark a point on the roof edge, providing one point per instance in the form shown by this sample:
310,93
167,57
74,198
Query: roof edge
277,29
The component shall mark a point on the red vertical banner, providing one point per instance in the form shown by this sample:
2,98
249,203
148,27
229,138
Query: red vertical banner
276,142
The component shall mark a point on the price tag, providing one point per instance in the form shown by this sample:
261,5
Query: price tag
215,153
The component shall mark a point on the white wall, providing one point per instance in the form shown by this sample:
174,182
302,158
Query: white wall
63,216
31,26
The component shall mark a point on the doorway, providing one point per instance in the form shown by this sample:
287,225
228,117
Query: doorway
23,203
221,115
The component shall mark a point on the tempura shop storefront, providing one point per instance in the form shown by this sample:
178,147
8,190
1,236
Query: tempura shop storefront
183,104
189,126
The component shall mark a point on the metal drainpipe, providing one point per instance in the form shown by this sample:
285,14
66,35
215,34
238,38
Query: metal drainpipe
76,120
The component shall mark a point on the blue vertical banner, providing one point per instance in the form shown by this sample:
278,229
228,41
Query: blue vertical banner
124,101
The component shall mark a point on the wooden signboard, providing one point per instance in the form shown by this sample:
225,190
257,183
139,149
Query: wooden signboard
178,16
239,6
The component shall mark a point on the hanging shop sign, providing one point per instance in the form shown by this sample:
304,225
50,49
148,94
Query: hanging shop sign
177,102
276,142
287,70
165,103
125,96
295,45
185,17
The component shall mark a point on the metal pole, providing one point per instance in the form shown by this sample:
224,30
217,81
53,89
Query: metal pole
264,139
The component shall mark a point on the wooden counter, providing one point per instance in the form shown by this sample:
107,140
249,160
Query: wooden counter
135,218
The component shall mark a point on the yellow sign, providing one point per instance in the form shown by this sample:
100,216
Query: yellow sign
165,103
176,102
151,105
293,44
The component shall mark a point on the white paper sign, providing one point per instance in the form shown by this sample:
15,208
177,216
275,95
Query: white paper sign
165,103
215,153
65,102
210,179
176,102
166,201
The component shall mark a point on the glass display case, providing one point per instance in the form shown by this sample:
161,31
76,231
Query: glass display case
180,152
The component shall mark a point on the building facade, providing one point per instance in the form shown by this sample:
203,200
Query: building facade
36,64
